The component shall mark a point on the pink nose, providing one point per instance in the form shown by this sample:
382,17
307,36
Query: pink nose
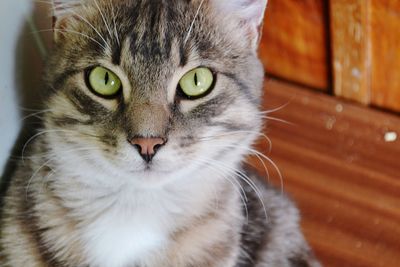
147,147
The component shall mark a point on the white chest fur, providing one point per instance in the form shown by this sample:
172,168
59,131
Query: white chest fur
128,232
138,226
118,240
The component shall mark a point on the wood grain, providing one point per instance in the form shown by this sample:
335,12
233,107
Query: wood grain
385,38
342,169
350,34
294,43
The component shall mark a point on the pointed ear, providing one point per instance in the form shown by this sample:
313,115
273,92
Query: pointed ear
249,14
62,12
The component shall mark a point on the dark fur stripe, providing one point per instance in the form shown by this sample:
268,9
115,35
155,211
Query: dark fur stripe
256,227
244,87
31,225
68,121
86,105
298,262
211,108
183,56
116,55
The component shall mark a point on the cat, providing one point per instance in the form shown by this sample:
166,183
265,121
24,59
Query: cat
151,107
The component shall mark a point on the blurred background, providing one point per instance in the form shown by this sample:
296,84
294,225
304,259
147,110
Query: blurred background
333,91
25,36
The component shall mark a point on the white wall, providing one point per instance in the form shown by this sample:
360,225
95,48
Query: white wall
19,70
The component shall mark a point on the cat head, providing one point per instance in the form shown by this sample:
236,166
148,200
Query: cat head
143,89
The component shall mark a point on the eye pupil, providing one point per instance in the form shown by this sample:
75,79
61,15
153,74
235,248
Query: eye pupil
106,78
196,81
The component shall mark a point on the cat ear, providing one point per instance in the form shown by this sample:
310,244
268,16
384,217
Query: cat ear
62,12
249,13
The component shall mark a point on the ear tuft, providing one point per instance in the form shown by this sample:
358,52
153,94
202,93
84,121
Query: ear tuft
62,14
249,10
249,13
62,7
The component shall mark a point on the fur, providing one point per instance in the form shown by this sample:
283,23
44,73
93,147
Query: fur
83,196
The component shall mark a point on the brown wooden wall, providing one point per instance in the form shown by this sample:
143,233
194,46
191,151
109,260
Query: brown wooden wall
294,44
385,53
359,40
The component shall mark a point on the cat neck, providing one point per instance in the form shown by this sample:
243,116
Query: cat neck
188,195
142,221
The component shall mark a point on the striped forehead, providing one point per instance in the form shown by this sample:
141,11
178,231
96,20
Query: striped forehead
153,26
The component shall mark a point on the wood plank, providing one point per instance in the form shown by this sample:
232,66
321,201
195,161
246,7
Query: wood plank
385,38
340,162
294,43
350,34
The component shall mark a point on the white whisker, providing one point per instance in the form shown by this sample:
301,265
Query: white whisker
94,28
277,109
75,32
46,179
192,24
242,193
46,132
246,179
54,154
235,184
33,176
277,119
213,137
115,25
258,154
103,18
69,8
35,114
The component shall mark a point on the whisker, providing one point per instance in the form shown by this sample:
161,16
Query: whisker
210,161
265,166
213,137
192,24
75,32
94,28
278,108
258,154
28,109
35,114
277,119
252,185
31,139
33,176
69,6
46,132
259,158
236,184
53,154
103,18
240,174
115,24
46,179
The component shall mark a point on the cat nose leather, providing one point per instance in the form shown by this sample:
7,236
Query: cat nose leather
147,147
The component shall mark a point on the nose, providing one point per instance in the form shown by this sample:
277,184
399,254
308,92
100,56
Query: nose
147,147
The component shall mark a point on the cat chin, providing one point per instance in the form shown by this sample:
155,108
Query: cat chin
156,177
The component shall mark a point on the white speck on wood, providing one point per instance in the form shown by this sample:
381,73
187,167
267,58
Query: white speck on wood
339,108
356,73
390,137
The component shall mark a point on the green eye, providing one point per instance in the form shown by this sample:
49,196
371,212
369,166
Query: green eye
104,82
197,82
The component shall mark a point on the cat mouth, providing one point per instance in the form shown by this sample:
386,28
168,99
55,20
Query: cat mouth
152,168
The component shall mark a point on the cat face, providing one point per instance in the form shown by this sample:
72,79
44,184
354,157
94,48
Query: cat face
148,90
